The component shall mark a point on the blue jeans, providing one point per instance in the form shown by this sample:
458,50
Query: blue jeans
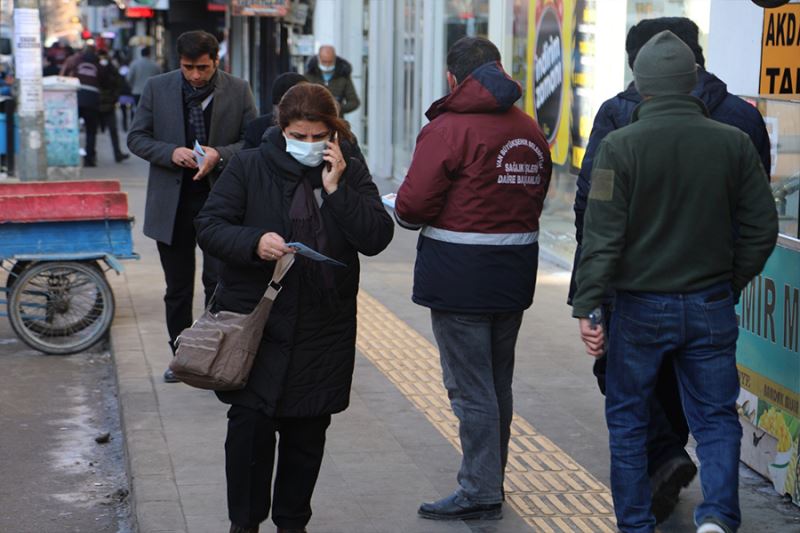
699,331
477,355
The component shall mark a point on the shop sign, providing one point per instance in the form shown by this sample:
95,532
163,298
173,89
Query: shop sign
260,8
139,13
768,358
150,4
780,51
548,87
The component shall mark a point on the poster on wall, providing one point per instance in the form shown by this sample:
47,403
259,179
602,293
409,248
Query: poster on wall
584,65
780,55
548,86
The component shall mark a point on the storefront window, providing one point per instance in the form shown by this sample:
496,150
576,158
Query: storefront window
466,18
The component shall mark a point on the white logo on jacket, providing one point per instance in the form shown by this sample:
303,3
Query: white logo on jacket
524,172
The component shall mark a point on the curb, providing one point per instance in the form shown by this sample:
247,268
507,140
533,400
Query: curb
155,502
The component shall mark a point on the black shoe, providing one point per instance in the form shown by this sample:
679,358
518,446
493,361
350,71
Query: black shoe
89,162
169,376
121,157
667,482
449,508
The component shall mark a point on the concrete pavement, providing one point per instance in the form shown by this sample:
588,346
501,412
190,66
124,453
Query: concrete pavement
395,446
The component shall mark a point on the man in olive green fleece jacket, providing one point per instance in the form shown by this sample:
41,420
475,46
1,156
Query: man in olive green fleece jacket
680,217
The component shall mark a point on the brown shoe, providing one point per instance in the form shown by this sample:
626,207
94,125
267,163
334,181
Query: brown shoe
240,529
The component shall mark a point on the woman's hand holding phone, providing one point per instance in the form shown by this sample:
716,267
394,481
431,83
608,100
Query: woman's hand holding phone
334,165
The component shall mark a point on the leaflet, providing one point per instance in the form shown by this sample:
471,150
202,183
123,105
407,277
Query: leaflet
199,153
314,255
389,199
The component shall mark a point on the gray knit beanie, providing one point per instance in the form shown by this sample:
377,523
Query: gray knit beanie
665,65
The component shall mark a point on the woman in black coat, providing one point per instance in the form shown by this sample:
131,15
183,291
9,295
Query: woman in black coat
295,187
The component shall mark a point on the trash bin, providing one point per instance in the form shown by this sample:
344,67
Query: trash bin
61,126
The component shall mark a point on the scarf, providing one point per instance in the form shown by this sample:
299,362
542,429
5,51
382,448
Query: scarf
307,228
193,98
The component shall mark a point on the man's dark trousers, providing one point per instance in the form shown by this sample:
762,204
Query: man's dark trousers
91,120
178,263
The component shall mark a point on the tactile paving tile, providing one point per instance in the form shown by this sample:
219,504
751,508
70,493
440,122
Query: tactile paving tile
543,484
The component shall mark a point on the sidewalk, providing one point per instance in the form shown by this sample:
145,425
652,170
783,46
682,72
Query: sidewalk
396,445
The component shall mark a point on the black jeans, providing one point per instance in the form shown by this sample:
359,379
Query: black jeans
178,263
91,117
668,430
249,461
108,119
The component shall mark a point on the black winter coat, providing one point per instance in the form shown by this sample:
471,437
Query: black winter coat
304,365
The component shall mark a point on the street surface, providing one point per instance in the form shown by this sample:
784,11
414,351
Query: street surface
395,447
54,477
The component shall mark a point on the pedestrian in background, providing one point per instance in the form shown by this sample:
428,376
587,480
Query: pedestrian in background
139,71
332,71
200,104
255,130
110,88
669,466
680,217
86,68
297,186
477,182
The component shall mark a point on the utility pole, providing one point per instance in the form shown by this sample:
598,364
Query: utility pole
32,162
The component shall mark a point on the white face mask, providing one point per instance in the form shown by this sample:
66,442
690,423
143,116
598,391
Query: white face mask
308,154
327,68
104,62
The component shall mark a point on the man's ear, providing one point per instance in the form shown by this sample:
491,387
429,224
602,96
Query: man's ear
451,81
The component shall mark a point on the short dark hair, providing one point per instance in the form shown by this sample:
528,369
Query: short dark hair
469,53
146,51
193,44
684,28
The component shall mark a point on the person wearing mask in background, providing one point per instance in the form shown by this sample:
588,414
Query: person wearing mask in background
110,88
139,71
296,186
332,71
86,68
197,104
680,218
255,130
669,466
477,184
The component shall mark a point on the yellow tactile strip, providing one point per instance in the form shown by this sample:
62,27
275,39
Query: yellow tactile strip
543,484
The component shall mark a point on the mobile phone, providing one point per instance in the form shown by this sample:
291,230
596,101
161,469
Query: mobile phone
596,317
332,138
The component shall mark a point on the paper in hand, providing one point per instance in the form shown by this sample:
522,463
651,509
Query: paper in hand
314,255
389,199
199,153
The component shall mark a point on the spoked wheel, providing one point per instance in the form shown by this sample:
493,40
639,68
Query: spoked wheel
61,307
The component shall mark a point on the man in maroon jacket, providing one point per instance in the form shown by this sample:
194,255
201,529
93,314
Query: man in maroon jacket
476,187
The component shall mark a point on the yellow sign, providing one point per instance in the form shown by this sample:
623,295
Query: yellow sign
548,88
780,51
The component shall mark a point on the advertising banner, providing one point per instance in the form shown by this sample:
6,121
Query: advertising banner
28,61
780,51
161,5
548,90
768,358
260,8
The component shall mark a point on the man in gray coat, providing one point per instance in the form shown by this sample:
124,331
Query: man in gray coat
196,105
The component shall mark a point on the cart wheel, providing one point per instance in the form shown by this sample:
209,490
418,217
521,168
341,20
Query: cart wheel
61,307
65,329
15,271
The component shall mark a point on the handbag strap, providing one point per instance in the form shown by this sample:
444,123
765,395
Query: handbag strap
281,268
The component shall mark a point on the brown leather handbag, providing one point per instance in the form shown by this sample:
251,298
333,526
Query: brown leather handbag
218,350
